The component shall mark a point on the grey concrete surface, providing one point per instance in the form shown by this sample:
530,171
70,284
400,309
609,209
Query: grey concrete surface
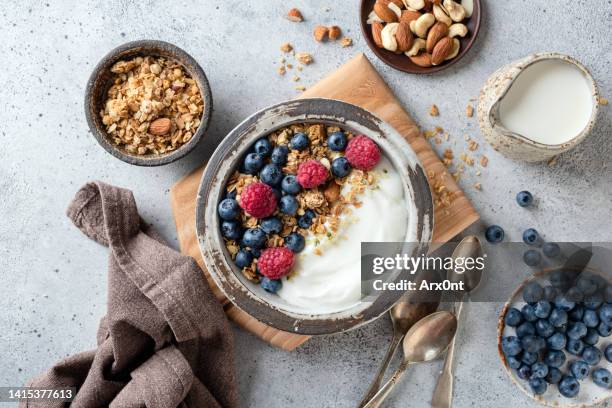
52,279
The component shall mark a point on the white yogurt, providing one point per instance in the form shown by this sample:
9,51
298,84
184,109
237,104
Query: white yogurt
550,102
331,282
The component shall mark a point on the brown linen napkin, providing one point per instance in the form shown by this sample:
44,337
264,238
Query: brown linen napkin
165,341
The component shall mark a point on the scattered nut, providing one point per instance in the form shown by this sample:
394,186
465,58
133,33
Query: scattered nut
433,111
286,48
603,101
281,70
346,41
388,36
295,15
469,111
418,45
304,58
438,31
457,29
334,33
320,33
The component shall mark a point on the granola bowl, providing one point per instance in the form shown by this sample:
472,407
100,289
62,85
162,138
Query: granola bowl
148,103
319,118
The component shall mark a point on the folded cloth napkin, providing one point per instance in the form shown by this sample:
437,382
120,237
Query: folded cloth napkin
165,341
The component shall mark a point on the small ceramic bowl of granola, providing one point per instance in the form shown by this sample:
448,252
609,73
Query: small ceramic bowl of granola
288,199
148,103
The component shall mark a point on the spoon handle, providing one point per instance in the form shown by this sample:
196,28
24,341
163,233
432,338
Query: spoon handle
380,396
375,385
443,393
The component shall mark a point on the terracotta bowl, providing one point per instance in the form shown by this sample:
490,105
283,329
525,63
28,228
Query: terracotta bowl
402,62
269,308
101,80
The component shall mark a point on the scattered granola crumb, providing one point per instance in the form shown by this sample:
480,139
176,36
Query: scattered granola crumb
299,68
295,15
478,186
472,145
346,41
437,140
484,160
289,66
282,70
469,111
300,88
433,111
295,78
286,47
478,173
304,58
603,101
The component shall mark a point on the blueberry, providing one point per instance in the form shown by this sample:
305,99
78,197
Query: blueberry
560,280
576,330
554,375
608,294
554,358
290,184
279,155
533,344
244,258
511,346
231,229
557,341
593,301
529,358
591,355
563,303
524,372
533,292
525,329
340,167
558,317
253,162
577,313
574,294
337,141
608,353
579,369
524,198
602,377
591,338
513,317
305,221
575,347
539,370
569,386
271,225
590,318
256,254
604,329
513,362
229,209
531,236
263,147
586,285
295,242
271,285
271,174
254,238
288,205
277,193
551,249
532,257
550,293
544,328
542,309
605,314
528,312
537,385
299,141
494,234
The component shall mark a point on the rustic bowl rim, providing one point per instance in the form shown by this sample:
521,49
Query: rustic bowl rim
409,67
214,254
146,47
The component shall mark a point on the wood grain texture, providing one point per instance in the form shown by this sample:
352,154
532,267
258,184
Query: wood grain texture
356,82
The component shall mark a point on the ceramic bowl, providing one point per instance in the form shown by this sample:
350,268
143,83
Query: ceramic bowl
271,309
402,62
101,80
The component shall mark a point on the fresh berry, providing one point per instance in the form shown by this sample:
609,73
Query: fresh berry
263,147
295,242
608,353
274,263
305,220
531,236
229,209
537,385
591,355
577,313
579,369
340,167
279,155
554,375
288,205
539,370
593,301
575,294
532,257
231,194
271,174
254,238
525,329
362,153
586,285
231,229
529,358
574,347
271,225
513,362
608,294
524,372
337,141
258,200
513,317
576,330
550,293
557,341
592,337
299,141
533,292
590,318
494,234
543,309
563,303
551,249
270,285
244,258
544,328
533,344
290,184
253,162
602,377
554,358
524,198
560,280
605,314
569,386
311,173
604,329
558,317
277,193
528,312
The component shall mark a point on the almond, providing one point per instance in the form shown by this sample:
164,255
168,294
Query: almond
295,15
160,127
404,37
409,15
422,60
320,33
334,32
398,3
376,33
442,50
383,11
436,33
331,192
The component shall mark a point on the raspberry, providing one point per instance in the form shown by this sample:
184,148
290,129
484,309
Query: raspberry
362,153
311,174
274,263
258,200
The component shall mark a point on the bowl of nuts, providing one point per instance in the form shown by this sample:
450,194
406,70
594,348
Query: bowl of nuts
148,103
420,36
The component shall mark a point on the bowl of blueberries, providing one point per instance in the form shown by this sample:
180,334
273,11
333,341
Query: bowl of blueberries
554,337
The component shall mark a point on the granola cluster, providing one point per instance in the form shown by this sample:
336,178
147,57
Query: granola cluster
153,106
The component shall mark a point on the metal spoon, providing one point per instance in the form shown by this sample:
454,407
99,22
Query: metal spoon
425,341
404,314
469,247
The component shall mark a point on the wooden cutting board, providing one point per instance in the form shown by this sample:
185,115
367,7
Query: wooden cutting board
356,82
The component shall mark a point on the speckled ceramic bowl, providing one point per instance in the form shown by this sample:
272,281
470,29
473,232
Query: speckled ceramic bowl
271,309
101,80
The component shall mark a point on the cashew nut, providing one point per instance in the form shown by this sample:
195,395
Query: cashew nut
395,8
441,15
418,45
455,10
414,4
468,5
422,24
457,29
388,36
372,17
455,50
